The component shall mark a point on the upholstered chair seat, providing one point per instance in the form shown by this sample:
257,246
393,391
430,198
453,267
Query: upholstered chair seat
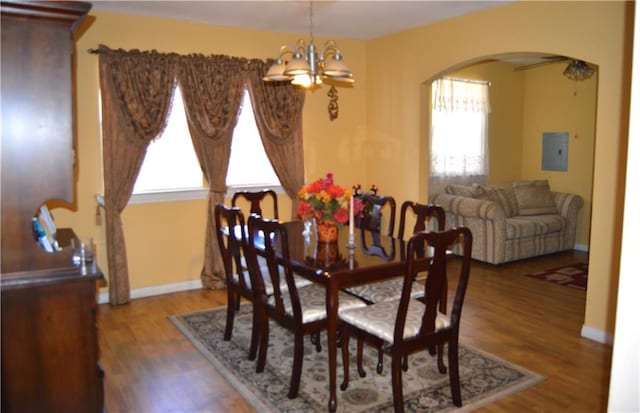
380,318
313,302
384,290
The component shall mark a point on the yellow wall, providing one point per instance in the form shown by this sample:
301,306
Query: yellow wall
550,106
598,32
165,242
380,136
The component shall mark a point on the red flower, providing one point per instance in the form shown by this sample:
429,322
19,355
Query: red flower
342,215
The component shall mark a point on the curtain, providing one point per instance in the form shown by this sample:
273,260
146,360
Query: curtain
459,133
277,108
136,89
212,89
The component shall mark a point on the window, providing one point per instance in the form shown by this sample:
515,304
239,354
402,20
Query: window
170,163
459,126
247,150
171,171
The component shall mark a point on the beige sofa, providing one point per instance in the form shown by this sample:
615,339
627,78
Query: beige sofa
521,220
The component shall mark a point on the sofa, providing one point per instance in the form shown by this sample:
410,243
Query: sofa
510,222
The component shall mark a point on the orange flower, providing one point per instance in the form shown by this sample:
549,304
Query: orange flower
324,201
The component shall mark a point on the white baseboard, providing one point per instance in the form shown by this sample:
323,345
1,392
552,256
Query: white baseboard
103,297
596,335
581,247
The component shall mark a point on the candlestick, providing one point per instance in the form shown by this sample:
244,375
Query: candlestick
351,223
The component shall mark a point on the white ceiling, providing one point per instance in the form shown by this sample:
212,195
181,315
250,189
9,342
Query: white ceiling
350,19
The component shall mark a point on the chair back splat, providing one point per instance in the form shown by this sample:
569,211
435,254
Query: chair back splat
371,225
423,214
272,233
256,199
374,205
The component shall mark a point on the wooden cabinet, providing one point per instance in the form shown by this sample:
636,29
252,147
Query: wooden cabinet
49,332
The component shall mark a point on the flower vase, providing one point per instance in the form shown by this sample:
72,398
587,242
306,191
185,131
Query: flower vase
327,232
327,245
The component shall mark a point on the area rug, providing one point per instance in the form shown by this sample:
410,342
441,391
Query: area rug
574,275
485,378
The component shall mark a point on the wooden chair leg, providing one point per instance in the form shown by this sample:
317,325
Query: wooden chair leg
380,358
298,352
405,362
263,343
255,333
361,371
432,350
345,357
396,383
441,367
454,374
230,315
237,301
315,340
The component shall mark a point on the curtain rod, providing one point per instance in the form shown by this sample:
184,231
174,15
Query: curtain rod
481,82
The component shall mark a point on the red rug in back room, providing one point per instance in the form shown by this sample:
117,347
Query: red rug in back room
574,275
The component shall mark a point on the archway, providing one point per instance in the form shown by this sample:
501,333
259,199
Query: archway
525,104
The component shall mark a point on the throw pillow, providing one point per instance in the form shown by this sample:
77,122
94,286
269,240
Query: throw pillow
534,197
501,197
460,190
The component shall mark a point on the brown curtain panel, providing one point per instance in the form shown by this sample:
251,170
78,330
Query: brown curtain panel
136,89
277,107
212,88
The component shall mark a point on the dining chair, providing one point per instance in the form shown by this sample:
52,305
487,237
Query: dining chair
255,200
407,325
420,215
231,235
238,281
301,310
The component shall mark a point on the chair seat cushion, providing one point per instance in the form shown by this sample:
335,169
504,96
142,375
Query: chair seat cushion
314,304
379,319
385,290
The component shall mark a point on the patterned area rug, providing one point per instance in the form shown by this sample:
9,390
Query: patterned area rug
574,275
484,378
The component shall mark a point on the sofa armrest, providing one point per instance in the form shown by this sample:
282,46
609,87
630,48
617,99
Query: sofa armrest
485,219
568,204
468,207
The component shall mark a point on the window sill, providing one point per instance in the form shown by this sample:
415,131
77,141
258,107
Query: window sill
192,194
169,196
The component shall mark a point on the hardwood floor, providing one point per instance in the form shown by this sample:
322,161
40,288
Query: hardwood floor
151,367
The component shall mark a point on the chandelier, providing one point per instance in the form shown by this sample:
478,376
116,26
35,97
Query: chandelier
578,70
309,69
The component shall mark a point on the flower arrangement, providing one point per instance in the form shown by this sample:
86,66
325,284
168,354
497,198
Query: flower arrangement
326,202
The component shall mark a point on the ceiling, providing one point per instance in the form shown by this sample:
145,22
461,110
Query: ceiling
349,19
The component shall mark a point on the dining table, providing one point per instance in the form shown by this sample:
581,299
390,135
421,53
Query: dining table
373,257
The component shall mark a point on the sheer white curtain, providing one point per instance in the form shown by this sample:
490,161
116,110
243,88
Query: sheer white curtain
459,128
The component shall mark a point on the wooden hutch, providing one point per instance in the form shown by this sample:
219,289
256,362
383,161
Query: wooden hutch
49,310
